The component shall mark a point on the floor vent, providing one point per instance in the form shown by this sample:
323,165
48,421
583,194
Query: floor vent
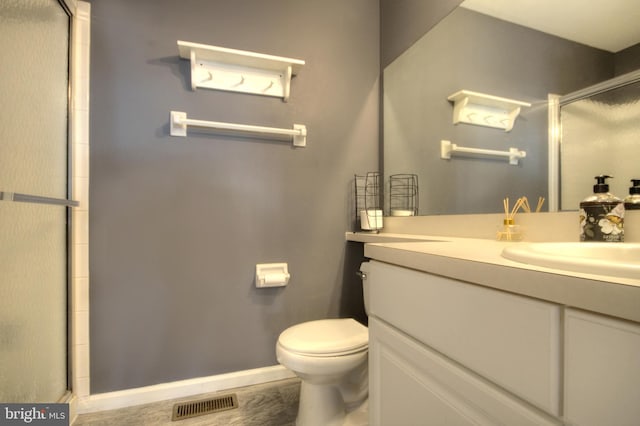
186,410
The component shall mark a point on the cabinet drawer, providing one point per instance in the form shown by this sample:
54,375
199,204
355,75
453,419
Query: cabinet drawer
413,385
513,341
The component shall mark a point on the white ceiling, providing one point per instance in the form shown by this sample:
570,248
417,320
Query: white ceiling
610,25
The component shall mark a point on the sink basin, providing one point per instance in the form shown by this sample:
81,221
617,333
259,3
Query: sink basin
620,260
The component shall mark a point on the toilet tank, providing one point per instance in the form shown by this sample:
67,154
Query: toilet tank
364,272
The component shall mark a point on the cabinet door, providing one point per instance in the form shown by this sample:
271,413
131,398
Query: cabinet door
512,340
602,370
411,384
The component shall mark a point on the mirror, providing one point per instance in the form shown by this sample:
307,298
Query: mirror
474,51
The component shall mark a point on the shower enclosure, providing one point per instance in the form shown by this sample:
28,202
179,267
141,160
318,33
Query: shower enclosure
34,213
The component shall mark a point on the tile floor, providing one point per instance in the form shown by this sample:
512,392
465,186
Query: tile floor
267,404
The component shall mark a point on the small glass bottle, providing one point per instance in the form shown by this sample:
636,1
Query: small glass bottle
510,231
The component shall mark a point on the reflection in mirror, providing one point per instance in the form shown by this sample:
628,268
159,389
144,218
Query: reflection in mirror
599,136
472,51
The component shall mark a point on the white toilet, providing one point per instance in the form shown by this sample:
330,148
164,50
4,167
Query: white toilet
330,357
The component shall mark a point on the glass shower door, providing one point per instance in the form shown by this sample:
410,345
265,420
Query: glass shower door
34,69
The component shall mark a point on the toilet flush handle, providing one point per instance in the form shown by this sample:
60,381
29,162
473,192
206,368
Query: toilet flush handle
362,275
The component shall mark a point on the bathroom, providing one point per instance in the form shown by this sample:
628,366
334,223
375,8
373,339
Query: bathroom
176,226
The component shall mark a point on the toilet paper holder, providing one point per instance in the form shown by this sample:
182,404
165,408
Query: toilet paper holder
272,275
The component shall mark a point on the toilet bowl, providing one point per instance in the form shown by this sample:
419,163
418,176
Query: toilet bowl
330,358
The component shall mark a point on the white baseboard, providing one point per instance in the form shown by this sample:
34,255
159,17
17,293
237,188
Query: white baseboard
180,389
72,400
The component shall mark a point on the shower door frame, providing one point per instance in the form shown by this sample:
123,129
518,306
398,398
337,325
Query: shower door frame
77,229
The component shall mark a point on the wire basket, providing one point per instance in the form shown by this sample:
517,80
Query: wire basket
368,212
403,195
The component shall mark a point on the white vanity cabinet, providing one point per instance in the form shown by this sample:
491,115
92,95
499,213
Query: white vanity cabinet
444,351
602,373
448,352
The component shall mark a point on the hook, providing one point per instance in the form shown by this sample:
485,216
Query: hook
209,78
241,82
269,86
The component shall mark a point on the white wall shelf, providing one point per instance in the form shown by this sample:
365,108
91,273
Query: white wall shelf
220,68
485,110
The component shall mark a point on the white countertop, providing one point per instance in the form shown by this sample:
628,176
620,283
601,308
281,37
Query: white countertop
479,261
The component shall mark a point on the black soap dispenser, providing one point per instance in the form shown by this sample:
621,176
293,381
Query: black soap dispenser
602,214
632,201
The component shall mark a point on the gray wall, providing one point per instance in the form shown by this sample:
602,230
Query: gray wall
403,22
628,60
178,224
490,56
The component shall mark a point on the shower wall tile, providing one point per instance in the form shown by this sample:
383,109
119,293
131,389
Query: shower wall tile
81,63
80,387
81,127
81,334
80,262
80,224
80,71
80,99
82,352
81,160
80,297
80,192
83,32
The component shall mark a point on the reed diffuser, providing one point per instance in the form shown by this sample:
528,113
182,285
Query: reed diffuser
510,231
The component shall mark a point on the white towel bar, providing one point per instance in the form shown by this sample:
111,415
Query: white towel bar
179,123
447,148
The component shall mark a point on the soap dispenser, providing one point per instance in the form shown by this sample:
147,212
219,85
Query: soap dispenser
632,201
602,214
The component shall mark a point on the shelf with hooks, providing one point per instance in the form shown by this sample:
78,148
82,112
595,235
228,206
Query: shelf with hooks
485,110
220,68
178,123
447,148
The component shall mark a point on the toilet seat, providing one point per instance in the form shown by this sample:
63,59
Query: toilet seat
326,338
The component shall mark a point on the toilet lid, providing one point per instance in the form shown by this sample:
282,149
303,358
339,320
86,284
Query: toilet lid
326,337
